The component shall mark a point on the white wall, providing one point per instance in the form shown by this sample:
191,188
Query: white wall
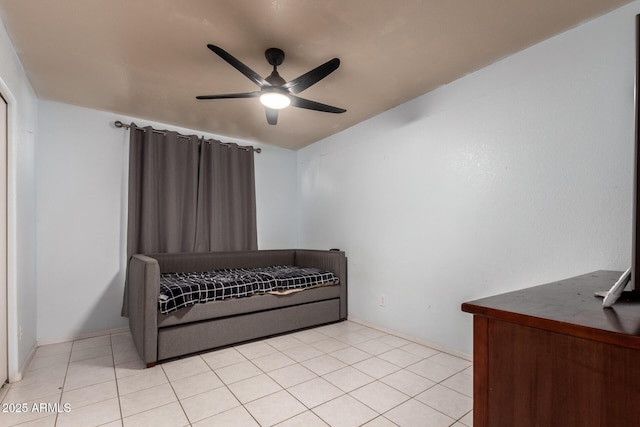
17,90
81,191
513,176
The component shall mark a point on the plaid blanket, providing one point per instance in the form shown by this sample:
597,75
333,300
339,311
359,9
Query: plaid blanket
178,290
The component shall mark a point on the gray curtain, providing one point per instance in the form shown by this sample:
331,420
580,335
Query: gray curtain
226,219
188,195
163,192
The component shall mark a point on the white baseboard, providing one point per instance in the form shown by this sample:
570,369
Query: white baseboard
82,336
25,366
434,345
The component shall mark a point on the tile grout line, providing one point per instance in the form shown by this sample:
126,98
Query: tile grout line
323,352
305,406
115,375
263,372
236,397
8,387
467,413
399,369
176,394
343,393
286,389
64,381
440,383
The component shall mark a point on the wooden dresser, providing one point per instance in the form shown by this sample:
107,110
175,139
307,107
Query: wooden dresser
552,356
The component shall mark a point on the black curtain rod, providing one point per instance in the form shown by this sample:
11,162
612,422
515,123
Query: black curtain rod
119,124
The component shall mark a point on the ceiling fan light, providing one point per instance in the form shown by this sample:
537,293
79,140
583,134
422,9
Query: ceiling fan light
275,100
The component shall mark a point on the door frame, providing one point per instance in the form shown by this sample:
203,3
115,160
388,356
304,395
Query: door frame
13,340
4,286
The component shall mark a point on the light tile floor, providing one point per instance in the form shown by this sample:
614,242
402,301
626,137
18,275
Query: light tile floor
344,374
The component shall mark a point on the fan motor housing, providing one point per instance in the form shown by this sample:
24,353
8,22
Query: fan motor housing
274,56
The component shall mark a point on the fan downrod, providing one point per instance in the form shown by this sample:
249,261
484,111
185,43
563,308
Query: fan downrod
274,56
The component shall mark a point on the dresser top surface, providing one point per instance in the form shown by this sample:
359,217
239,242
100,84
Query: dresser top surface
565,306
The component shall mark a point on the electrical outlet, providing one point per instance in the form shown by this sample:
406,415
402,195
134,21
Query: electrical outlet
383,300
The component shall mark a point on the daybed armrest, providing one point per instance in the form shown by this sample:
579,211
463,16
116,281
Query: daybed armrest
334,261
143,291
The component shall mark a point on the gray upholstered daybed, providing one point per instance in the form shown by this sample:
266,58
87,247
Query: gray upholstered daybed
214,324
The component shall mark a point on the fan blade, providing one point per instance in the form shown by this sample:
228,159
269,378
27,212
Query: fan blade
306,80
252,75
312,105
272,115
230,95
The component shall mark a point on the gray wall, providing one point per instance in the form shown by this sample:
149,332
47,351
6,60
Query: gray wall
22,295
81,191
513,176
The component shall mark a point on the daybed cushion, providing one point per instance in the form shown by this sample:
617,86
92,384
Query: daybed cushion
231,307
180,290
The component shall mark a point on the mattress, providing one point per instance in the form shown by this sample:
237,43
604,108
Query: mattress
179,290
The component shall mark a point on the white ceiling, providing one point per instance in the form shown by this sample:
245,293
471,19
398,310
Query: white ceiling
148,58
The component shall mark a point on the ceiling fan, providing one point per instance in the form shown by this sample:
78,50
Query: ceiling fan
275,93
